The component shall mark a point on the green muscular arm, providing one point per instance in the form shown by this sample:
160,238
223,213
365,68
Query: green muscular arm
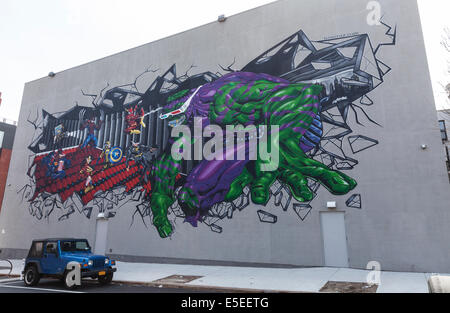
165,172
292,108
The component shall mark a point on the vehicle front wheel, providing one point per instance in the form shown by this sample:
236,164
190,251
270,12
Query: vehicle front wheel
31,276
106,279
65,281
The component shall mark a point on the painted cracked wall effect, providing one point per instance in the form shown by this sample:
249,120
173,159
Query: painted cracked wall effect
117,151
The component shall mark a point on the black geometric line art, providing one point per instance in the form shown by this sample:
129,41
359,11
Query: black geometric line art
365,100
143,210
302,210
243,201
360,143
88,212
216,229
347,68
313,186
354,202
388,33
266,217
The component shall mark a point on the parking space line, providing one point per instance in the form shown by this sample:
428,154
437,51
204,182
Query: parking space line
39,289
8,280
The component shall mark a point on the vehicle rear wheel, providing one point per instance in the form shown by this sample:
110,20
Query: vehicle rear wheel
106,279
31,276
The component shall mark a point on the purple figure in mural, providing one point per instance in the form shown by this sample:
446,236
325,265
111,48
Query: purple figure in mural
243,98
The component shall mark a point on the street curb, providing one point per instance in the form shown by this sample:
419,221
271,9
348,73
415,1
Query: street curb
9,280
12,275
204,288
189,287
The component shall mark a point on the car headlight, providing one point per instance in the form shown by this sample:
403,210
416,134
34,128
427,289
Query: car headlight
106,261
91,262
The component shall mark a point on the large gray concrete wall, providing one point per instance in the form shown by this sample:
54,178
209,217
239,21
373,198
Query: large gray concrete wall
404,218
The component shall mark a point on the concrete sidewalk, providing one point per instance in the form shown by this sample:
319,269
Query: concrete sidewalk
251,279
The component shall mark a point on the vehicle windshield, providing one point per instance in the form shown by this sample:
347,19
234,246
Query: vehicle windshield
75,246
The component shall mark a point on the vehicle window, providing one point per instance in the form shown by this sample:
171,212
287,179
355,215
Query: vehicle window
82,245
443,129
51,247
75,246
2,134
36,250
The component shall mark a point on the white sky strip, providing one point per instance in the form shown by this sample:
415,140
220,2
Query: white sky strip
37,37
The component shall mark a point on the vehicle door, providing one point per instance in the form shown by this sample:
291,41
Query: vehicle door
50,261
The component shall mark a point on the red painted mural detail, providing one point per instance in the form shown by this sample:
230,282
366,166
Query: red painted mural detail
74,180
134,119
5,157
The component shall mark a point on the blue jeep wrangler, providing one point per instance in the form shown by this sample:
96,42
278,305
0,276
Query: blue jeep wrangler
48,258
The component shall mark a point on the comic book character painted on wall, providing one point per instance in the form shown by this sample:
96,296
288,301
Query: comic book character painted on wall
134,119
60,133
91,126
244,98
142,156
120,150
56,164
87,170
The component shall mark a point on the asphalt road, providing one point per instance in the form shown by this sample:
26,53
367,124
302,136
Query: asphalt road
55,286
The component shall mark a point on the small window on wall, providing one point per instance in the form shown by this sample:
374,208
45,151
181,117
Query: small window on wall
448,161
2,134
443,129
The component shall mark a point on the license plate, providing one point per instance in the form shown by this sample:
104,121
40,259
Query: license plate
101,273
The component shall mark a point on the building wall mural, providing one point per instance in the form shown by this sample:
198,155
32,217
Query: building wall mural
117,151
